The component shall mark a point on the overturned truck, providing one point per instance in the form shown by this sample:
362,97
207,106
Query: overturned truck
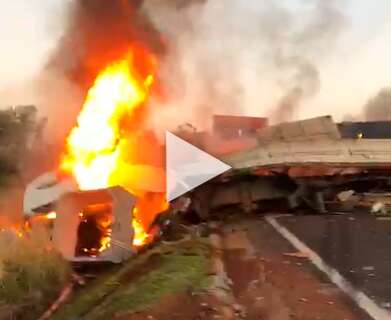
300,164
85,226
307,164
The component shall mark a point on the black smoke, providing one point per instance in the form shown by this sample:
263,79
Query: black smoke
99,32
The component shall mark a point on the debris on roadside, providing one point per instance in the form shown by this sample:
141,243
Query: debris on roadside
379,208
297,254
345,195
386,305
368,268
288,172
239,310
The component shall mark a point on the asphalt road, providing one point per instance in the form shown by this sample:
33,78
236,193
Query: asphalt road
358,246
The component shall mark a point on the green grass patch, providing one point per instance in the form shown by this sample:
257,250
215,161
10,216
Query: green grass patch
179,267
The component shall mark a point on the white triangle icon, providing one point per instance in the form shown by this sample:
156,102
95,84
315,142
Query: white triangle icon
187,167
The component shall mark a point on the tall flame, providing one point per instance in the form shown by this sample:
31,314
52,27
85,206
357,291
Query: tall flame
93,145
95,153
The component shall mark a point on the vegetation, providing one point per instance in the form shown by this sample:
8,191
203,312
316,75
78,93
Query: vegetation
142,281
32,275
18,126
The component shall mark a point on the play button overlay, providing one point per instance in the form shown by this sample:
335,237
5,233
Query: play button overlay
187,167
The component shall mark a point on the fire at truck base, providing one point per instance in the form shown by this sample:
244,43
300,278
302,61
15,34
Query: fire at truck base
85,226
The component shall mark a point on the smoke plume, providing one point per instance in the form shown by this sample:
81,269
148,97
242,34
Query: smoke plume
378,108
99,32
241,57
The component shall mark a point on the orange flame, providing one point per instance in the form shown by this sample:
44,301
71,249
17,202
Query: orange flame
93,145
98,145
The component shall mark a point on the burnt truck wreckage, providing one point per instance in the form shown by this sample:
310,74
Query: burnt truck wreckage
306,164
85,226
291,166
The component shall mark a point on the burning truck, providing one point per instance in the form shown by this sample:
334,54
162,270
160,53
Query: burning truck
93,225
306,162
109,184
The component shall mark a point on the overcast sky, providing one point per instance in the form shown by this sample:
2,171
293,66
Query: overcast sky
28,31
30,28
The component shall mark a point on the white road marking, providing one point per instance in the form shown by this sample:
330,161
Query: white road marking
362,300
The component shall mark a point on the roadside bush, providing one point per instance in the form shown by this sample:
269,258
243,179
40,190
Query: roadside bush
32,274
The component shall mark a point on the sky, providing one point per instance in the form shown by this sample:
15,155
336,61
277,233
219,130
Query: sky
360,66
362,63
29,29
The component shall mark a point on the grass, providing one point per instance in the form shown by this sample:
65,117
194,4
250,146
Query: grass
31,275
180,267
